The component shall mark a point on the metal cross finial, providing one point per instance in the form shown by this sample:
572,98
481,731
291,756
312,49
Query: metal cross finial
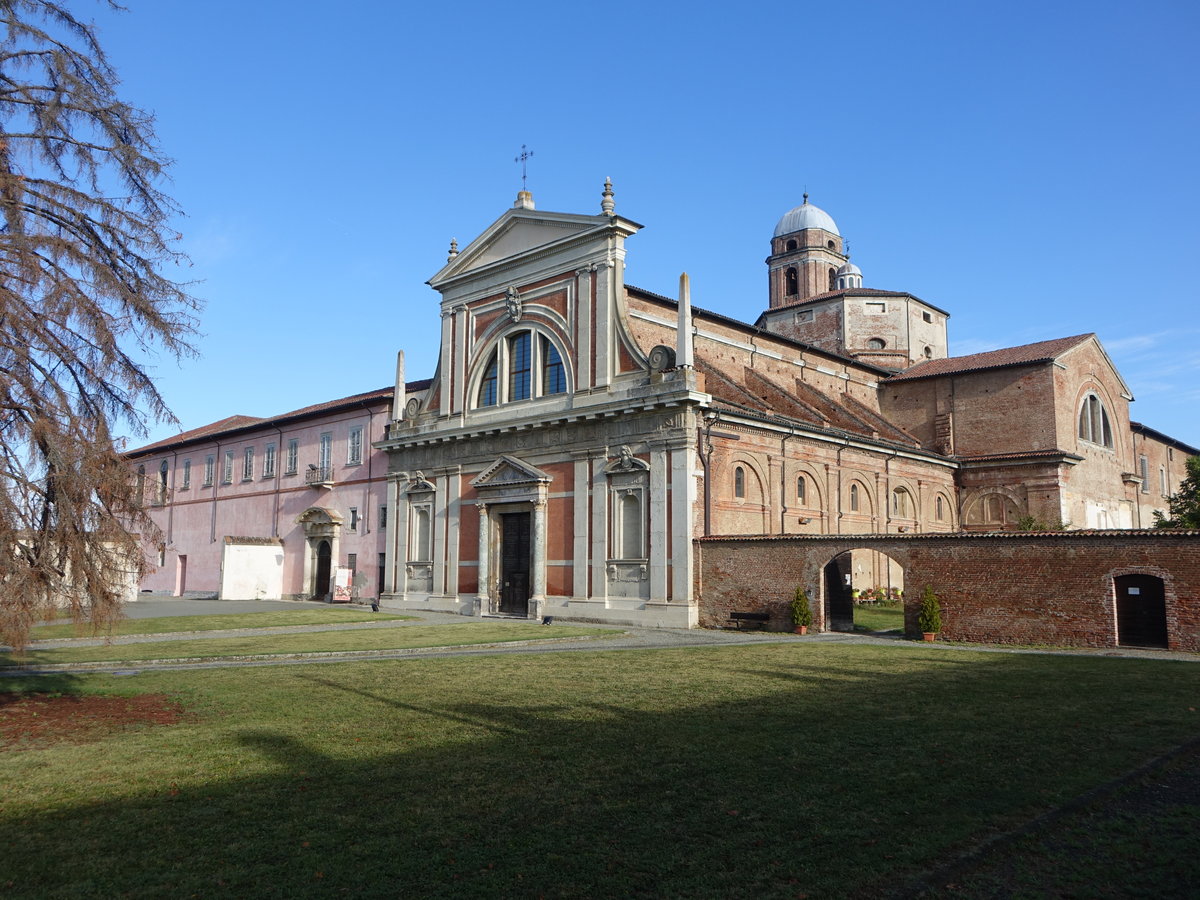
522,159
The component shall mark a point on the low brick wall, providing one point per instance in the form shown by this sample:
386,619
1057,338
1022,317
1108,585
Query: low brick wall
1000,588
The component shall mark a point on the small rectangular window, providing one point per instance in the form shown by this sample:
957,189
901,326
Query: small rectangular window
354,446
875,307
928,317
293,457
210,465
248,464
382,518
227,470
352,562
269,461
354,518
187,474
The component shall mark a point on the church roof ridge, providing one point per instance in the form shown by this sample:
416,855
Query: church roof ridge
1005,357
234,424
750,326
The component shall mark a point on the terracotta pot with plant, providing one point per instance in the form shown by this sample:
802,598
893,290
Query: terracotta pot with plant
801,613
929,619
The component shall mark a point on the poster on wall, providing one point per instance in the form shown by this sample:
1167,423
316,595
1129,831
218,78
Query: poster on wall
341,584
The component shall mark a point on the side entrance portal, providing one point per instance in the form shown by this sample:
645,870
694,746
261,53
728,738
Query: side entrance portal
514,563
324,560
1141,611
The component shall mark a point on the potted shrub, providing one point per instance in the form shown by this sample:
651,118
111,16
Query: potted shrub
929,619
801,614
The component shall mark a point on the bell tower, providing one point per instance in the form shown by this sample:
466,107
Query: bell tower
806,254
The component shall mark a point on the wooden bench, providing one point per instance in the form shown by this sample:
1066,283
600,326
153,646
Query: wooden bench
760,618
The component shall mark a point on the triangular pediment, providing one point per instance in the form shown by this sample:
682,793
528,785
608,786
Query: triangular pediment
508,471
519,232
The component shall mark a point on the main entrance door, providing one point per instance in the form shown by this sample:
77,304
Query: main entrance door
1141,611
514,563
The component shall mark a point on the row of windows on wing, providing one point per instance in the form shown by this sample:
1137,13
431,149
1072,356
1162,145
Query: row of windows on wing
354,457
523,365
902,502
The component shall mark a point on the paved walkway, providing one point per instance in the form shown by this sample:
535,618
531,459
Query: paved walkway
632,638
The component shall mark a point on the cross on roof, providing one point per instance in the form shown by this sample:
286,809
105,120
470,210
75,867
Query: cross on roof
522,159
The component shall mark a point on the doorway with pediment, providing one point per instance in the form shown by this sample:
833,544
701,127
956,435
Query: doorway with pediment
322,533
512,539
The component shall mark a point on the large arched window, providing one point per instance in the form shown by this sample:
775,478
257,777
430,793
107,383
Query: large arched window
162,482
1093,422
522,366
939,508
854,500
833,279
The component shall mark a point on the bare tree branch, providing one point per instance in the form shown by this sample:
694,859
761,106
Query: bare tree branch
85,234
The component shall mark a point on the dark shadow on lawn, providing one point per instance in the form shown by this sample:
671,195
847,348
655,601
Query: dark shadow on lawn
750,781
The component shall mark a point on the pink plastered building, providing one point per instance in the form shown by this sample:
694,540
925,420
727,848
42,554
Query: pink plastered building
270,508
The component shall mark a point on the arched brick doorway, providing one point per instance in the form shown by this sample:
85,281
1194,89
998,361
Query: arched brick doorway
864,576
1141,611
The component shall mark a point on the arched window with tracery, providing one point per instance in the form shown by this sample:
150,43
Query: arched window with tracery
522,366
1094,425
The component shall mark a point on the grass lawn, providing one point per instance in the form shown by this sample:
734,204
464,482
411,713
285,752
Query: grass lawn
166,624
768,771
878,617
410,636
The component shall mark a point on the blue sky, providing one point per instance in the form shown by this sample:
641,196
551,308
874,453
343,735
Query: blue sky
1029,167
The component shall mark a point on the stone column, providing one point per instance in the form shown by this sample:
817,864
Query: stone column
580,501
683,499
483,599
389,538
599,554
658,523
537,602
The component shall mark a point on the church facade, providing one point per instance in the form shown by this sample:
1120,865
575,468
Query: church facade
579,433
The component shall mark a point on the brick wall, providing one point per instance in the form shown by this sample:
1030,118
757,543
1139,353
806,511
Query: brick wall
1007,588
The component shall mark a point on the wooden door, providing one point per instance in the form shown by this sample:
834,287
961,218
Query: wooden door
514,563
324,562
1141,611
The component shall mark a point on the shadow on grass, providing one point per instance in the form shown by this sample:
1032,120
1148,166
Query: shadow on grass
742,772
